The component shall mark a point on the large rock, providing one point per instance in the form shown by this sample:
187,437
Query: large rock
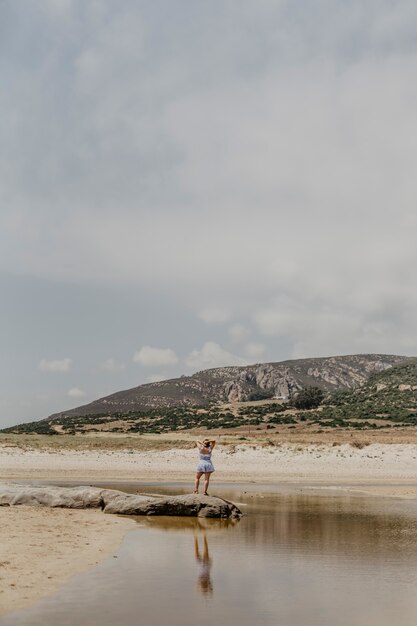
64,497
190,505
112,501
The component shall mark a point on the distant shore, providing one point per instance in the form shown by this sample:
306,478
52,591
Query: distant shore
62,542
390,466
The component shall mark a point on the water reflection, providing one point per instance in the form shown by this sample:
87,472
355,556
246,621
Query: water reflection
204,583
293,560
188,524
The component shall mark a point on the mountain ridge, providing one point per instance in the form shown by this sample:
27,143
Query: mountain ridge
280,380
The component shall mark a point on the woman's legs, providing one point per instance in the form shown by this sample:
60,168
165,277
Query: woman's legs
206,482
197,481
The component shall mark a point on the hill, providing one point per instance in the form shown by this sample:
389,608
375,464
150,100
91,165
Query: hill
388,398
191,401
241,384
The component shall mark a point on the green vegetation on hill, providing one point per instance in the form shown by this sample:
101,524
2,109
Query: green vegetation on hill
261,381
387,400
309,398
390,396
159,420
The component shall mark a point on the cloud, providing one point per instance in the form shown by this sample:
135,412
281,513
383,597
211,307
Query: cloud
262,160
239,333
215,315
255,350
57,365
76,392
111,365
357,323
241,162
155,357
212,355
57,8
155,378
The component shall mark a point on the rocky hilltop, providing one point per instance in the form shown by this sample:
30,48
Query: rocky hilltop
239,384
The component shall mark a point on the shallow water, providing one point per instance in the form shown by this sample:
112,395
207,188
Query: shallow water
295,559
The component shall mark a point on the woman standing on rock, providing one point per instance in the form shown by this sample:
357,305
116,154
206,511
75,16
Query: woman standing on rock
205,466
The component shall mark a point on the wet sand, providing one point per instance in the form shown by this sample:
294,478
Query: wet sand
41,549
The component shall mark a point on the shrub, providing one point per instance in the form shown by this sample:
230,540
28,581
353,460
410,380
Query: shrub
308,398
339,397
261,394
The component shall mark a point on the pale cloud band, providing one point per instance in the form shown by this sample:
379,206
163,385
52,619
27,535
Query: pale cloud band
239,333
55,365
155,357
215,315
155,378
255,350
76,392
212,355
111,365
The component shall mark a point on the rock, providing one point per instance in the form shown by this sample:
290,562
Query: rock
234,392
190,505
279,379
125,503
112,501
55,497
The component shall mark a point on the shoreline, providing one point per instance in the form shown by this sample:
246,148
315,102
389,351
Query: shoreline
63,543
289,462
60,543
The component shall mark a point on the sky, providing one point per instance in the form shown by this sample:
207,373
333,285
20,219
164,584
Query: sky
191,184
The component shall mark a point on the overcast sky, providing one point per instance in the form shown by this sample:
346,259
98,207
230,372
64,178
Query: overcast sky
191,184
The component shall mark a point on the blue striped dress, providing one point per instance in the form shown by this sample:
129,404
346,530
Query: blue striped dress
205,464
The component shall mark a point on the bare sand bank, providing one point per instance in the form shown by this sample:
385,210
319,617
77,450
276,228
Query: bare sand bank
377,462
43,548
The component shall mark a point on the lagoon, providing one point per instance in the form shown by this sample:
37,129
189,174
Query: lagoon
297,558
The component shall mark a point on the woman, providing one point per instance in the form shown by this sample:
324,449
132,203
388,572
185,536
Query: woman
205,466
204,583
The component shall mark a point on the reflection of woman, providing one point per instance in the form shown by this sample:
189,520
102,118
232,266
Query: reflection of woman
204,583
205,466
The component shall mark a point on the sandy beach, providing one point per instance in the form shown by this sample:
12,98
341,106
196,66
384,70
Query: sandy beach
46,547
337,463
62,543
